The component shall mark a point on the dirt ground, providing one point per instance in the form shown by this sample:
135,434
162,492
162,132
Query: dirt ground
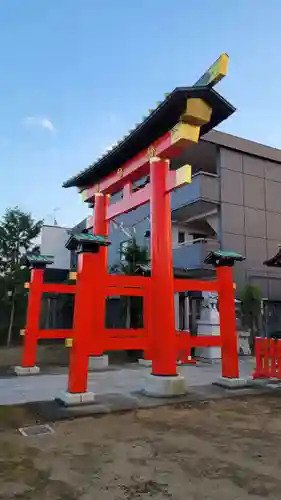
228,449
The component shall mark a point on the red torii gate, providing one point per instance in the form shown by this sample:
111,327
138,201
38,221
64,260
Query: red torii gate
200,107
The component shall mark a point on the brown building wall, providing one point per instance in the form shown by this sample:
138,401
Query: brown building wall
250,190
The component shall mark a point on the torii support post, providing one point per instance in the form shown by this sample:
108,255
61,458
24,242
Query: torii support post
37,263
164,380
163,335
224,261
82,324
88,295
100,228
229,349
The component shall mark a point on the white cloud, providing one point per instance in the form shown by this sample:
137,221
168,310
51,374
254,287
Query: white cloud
39,122
112,118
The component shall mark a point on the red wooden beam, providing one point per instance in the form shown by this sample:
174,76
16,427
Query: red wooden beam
55,334
184,285
132,170
58,288
124,291
130,201
125,332
167,146
119,280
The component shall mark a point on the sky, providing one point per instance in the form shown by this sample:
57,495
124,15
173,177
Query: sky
76,75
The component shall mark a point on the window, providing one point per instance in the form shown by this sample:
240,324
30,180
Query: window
196,236
181,237
182,311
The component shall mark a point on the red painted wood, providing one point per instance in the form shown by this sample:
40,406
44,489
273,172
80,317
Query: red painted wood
129,203
33,318
163,337
84,321
268,358
134,168
55,334
185,285
121,290
278,359
100,228
258,373
271,359
113,333
128,281
229,347
58,288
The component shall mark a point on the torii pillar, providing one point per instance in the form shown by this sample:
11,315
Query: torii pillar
164,380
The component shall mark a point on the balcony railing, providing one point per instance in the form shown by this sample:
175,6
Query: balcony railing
191,256
204,186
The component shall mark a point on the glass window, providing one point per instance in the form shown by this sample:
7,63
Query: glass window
181,237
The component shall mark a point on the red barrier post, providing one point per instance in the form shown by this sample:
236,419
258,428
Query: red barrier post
258,373
265,357
278,360
273,358
163,335
229,347
33,318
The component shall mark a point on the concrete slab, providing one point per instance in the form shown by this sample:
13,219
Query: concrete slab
144,362
26,370
164,387
118,402
76,399
48,411
233,383
98,362
122,380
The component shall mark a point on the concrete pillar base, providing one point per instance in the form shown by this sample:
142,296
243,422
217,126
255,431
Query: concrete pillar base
76,398
234,383
164,386
26,370
144,362
98,362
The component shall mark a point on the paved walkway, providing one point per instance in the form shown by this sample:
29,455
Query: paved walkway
125,380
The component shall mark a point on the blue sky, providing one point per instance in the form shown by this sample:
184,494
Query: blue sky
76,75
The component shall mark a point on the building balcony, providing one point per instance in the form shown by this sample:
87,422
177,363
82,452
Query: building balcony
191,256
198,198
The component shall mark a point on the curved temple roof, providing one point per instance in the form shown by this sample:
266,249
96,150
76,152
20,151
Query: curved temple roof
274,261
161,120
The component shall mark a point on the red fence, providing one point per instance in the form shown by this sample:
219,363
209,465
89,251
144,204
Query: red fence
268,358
113,339
124,338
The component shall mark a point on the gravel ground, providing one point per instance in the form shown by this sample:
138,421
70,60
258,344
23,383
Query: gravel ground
226,449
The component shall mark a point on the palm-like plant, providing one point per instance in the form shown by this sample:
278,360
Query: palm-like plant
250,297
133,258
